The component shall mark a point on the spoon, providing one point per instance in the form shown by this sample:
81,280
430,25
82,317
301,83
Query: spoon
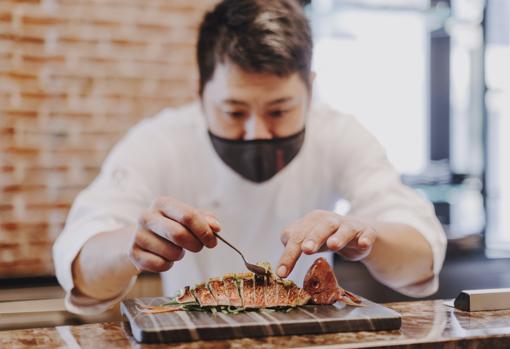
257,269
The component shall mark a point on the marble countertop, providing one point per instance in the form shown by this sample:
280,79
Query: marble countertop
425,324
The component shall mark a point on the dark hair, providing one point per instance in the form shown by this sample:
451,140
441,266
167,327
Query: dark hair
260,36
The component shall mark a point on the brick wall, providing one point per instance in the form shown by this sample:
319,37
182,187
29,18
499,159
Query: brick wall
74,76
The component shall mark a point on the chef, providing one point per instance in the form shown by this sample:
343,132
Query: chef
256,160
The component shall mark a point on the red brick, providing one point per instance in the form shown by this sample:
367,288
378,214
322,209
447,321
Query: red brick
7,168
5,16
19,188
75,77
7,131
21,151
5,207
46,206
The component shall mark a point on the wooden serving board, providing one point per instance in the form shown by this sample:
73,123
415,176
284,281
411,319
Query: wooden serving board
184,326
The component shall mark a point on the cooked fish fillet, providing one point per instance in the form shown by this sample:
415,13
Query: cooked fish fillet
186,296
282,292
249,291
204,296
217,289
271,292
232,290
260,288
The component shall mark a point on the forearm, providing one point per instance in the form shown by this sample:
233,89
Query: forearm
102,269
400,255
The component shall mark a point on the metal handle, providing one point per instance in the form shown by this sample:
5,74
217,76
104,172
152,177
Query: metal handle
229,244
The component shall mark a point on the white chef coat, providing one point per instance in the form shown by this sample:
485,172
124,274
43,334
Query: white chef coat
170,154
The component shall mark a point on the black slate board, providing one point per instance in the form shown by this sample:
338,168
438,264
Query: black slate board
311,319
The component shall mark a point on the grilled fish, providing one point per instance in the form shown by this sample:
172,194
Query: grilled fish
246,291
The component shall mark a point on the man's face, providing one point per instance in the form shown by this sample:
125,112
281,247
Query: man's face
245,106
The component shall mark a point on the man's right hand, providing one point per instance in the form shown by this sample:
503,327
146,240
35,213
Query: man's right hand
167,229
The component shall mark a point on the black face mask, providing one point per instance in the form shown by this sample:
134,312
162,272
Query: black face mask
260,159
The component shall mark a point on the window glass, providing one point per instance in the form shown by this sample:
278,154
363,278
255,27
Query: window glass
372,61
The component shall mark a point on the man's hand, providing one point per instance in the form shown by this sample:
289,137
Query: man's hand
167,229
323,230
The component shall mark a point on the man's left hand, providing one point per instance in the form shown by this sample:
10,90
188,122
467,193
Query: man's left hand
321,231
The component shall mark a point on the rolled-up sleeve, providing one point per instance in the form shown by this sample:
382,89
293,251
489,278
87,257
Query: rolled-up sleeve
370,183
115,199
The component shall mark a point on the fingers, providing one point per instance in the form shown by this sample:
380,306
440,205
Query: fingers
171,231
166,230
320,230
144,260
351,241
290,255
319,234
361,245
345,233
155,244
367,238
191,218
300,227
292,239
212,221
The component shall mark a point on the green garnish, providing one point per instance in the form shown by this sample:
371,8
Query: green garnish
239,279
230,309
173,302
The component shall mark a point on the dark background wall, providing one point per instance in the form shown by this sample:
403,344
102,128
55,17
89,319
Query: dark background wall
462,270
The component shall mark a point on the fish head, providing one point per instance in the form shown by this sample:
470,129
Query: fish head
320,282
